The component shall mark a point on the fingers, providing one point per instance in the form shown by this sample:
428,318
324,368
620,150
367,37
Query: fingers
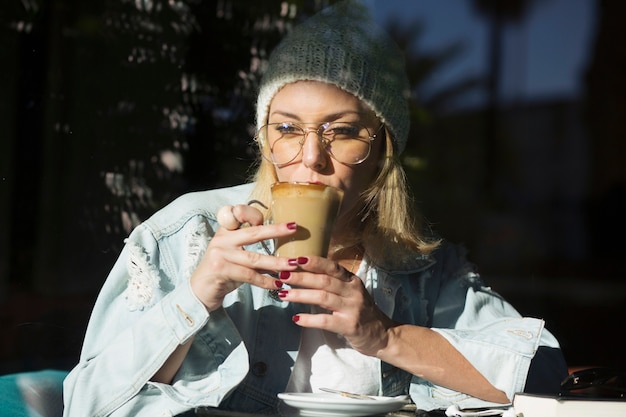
243,225
232,217
254,264
236,239
349,308
226,218
223,269
248,214
322,282
226,264
321,273
350,314
227,246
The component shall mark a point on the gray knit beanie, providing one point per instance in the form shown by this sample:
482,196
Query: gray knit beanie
342,45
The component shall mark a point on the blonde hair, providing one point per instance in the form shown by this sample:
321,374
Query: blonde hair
392,228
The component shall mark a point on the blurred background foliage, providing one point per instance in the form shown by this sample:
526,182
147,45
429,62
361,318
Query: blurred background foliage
122,106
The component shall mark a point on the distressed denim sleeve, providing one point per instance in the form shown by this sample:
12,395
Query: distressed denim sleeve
485,329
145,310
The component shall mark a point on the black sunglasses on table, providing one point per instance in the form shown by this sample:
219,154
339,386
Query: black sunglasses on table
595,382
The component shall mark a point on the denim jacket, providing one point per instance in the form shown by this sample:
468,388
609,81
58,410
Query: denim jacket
242,354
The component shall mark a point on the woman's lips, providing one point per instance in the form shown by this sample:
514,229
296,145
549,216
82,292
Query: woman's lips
311,182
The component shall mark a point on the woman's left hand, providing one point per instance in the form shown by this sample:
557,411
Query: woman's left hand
352,312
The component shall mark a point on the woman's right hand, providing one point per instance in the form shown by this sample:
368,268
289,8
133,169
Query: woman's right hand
226,265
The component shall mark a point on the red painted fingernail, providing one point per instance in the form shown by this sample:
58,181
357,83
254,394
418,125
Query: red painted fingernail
282,293
284,275
302,260
278,284
295,318
293,262
292,226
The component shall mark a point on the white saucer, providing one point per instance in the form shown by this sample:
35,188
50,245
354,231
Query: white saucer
325,404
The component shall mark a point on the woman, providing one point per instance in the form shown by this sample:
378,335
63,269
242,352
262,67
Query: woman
198,312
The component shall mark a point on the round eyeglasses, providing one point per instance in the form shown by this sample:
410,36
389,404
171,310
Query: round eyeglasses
347,143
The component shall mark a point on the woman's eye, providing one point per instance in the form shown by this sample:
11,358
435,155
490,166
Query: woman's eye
343,132
287,130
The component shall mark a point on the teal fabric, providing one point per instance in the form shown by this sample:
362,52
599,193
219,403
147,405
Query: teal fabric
32,394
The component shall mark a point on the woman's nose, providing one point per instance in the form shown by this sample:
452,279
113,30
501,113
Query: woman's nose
313,154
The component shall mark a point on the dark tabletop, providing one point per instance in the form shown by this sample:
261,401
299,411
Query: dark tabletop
407,411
